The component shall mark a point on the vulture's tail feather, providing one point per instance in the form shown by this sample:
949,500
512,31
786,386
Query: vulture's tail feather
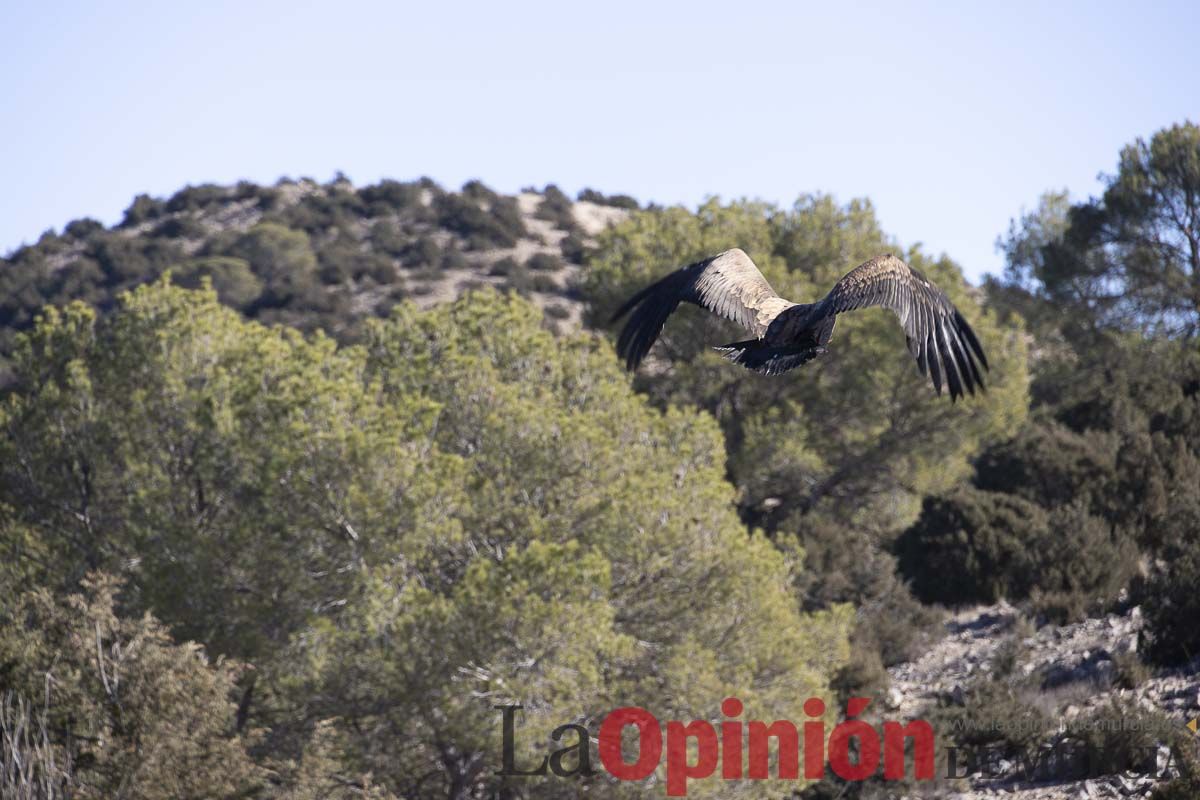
763,358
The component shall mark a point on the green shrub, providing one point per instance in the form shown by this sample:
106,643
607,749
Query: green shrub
339,260
1130,671
387,237
192,198
81,279
544,262
453,258
521,280
995,714
1183,755
999,710
573,248
972,546
388,196
1157,492
541,282
505,266
281,258
615,200
844,566
1170,602
269,198
556,311
977,546
82,229
479,192
556,207
143,208
500,226
180,226
130,259
864,675
48,243
235,282
123,710
1119,736
1050,465
377,267
423,252
248,190
320,212
1082,564
507,213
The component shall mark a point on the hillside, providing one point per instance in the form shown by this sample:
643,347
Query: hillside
319,255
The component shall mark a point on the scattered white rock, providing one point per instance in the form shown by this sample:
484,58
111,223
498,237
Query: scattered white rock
1077,665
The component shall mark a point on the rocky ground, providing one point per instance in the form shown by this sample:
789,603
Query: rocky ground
1075,671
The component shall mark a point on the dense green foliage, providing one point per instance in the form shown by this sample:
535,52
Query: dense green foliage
117,709
859,428
1172,604
615,200
834,459
1106,472
980,546
1096,500
465,482
1129,259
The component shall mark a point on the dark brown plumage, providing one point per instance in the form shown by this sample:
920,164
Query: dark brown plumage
789,334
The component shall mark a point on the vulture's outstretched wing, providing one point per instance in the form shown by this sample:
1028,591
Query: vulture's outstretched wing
727,284
938,336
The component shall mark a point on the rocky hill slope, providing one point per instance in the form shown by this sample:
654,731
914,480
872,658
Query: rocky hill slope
318,255
1060,711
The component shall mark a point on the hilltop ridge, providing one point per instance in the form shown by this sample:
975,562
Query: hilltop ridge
315,254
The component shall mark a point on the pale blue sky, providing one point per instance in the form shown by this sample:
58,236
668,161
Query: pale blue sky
950,117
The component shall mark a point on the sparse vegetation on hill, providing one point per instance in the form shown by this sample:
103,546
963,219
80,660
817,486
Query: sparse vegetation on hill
313,256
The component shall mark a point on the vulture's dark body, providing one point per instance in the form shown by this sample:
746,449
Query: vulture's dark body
795,337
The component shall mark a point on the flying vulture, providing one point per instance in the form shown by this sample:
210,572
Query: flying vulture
788,334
